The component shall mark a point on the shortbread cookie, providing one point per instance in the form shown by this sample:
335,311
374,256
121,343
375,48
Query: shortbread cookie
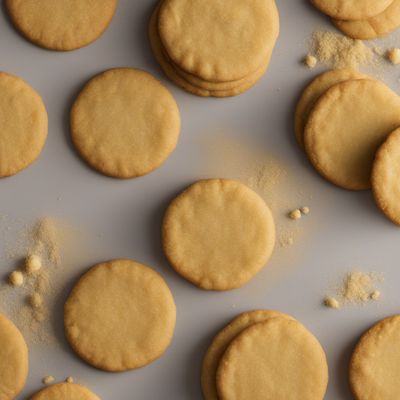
125,123
374,27
314,91
65,391
119,316
385,177
225,41
218,234
345,128
351,9
221,342
276,359
23,125
59,24
375,364
13,360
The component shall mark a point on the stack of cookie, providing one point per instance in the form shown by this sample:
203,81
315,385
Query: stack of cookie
264,354
362,19
220,50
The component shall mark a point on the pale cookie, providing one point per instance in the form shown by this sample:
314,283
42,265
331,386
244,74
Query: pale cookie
119,316
23,125
221,342
351,9
65,391
345,128
313,92
218,234
13,360
125,123
375,365
385,177
60,24
276,359
225,41
374,27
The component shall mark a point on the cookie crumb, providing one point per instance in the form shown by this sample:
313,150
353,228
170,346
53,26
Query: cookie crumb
16,278
393,55
310,61
305,210
70,379
295,214
331,302
48,380
35,300
375,295
33,264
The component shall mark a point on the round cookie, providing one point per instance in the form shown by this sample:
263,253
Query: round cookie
225,41
276,359
221,342
218,234
351,9
13,360
65,391
374,27
346,127
374,366
385,178
23,125
120,316
314,91
125,123
59,24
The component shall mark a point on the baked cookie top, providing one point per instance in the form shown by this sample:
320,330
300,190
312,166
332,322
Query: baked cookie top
65,391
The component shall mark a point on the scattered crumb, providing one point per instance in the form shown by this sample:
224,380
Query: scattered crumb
33,264
305,210
295,214
310,61
379,51
375,295
331,302
35,300
70,379
16,278
48,380
393,55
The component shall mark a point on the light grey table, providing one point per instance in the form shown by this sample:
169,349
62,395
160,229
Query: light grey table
348,232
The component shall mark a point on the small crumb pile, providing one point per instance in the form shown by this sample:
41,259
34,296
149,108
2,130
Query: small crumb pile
298,213
357,288
48,380
310,61
393,55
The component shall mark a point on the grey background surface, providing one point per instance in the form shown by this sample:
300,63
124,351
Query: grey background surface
123,217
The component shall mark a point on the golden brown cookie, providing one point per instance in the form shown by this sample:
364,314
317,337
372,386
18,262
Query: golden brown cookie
345,128
276,359
221,342
374,366
65,391
61,24
218,234
125,123
120,316
23,125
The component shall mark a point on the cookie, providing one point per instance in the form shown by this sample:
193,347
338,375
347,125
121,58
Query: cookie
59,24
313,92
276,359
385,178
345,128
120,316
23,125
351,9
221,342
218,234
225,41
374,27
374,366
13,360
125,123
64,391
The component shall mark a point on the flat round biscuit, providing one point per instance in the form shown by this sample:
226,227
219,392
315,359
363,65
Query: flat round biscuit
23,125
221,342
351,9
314,91
125,123
276,359
374,366
61,24
345,128
13,360
225,41
385,177
65,391
374,27
218,234
120,316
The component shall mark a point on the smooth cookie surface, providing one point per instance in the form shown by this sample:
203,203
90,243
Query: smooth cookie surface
65,391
